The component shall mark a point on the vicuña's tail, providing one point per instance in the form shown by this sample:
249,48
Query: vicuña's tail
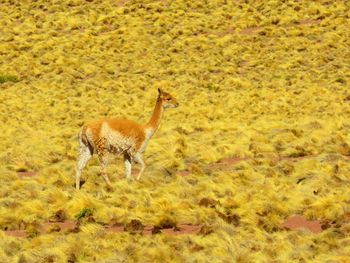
84,140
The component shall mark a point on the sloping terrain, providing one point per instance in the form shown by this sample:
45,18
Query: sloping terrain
265,80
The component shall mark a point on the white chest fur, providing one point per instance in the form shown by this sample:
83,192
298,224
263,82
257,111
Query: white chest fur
149,133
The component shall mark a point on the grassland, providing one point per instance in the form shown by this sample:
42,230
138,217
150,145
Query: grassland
261,80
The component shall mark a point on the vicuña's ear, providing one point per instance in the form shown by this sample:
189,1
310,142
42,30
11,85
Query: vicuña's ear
160,91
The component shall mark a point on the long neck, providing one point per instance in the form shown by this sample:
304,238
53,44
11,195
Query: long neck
154,122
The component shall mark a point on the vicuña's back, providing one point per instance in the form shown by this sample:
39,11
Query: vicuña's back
120,136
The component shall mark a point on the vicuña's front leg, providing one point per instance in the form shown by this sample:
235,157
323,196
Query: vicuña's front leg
138,159
127,162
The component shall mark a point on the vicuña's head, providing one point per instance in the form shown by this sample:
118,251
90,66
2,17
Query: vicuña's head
168,101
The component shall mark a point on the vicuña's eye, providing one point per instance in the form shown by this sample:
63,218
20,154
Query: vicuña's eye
168,99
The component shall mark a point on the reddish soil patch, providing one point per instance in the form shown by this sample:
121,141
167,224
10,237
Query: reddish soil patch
149,230
226,164
299,222
307,22
250,31
229,30
16,233
255,30
182,229
27,174
295,158
59,226
184,173
233,160
115,229
121,2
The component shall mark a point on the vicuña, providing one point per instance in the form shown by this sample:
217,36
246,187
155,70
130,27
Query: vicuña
120,136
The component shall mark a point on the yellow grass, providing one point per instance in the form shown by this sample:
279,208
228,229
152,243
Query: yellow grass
261,80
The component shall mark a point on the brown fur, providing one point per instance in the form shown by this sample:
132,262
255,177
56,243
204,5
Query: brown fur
127,128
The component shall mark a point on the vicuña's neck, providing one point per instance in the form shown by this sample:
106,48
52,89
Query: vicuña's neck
154,122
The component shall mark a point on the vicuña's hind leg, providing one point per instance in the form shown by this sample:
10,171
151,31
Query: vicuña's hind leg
104,162
127,162
103,158
138,159
84,157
